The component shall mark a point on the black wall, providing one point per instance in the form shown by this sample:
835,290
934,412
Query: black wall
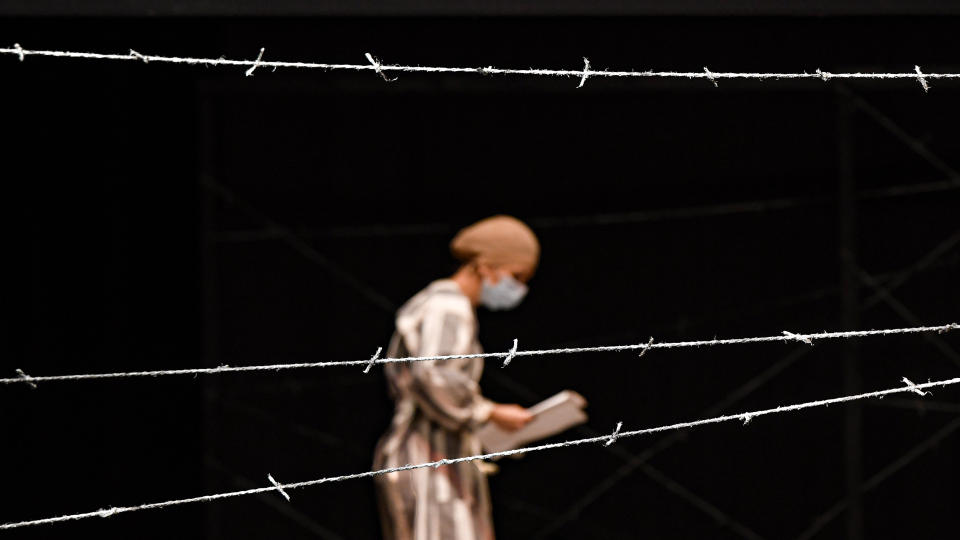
123,257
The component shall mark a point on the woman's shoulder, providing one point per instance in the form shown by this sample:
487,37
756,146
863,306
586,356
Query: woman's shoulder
443,295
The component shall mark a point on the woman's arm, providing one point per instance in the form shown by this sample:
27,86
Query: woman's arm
444,392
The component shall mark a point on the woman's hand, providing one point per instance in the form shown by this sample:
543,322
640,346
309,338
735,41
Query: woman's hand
510,417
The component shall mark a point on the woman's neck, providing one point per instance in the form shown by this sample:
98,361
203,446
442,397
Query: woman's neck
469,282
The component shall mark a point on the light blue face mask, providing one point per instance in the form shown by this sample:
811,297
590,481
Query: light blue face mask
502,295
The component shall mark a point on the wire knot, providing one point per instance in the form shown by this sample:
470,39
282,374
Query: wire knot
378,67
913,387
586,72
443,461
646,348
797,337
256,63
135,54
278,486
373,360
711,77
615,435
19,49
922,80
510,354
26,378
106,512
823,75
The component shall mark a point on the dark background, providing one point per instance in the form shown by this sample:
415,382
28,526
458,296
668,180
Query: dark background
171,216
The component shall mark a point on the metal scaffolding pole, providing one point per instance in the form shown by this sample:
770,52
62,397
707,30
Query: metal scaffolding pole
850,310
210,355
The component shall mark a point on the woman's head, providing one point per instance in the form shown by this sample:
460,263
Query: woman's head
502,253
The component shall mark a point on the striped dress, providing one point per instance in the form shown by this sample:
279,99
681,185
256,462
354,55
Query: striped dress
438,409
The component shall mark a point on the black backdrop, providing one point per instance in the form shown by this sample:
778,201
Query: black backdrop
164,216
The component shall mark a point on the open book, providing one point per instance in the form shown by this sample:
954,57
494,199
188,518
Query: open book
550,417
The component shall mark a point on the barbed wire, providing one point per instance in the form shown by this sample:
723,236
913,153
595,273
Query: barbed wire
581,75
513,353
617,434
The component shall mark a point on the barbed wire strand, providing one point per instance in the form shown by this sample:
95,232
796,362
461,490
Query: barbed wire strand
24,378
381,69
744,417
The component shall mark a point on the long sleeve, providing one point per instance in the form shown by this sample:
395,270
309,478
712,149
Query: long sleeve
438,407
445,392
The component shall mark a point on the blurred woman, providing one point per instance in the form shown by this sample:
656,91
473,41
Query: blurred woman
439,405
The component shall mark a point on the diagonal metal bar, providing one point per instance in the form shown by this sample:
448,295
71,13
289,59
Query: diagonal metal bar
917,405
908,315
885,289
274,420
698,502
908,189
889,470
721,518
637,460
270,500
911,142
287,235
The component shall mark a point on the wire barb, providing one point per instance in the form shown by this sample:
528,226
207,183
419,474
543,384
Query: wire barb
18,50
747,418
26,378
646,348
373,360
913,387
278,486
825,76
797,337
615,435
256,63
586,72
378,67
711,77
135,54
922,80
510,354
